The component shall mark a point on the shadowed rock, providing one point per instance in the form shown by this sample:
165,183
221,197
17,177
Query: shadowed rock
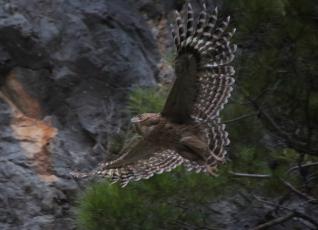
65,70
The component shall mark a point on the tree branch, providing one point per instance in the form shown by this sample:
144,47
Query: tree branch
299,193
238,174
296,213
302,166
240,118
298,145
276,221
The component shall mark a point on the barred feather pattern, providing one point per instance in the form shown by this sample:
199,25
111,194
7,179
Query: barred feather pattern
190,28
218,140
166,160
215,89
210,41
160,162
201,22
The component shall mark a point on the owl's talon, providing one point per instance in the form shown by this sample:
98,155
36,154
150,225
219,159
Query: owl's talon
211,170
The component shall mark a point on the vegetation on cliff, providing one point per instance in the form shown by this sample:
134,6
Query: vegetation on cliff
271,173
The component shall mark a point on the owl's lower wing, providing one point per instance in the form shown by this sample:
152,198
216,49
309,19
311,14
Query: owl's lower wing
142,161
158,163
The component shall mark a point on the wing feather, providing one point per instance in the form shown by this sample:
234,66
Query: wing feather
135,165
218,140
153,160
203,75
202,87
145,168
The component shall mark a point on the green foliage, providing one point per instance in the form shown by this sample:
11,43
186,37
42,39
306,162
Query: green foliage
147,100
169,57
141,100
153,204
117,142
164,200
277,39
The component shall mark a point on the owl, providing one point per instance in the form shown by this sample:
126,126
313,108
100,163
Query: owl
188,131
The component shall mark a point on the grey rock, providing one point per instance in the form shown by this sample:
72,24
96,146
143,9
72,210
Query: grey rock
66,66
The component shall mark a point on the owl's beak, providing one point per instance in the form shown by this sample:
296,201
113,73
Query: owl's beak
134,120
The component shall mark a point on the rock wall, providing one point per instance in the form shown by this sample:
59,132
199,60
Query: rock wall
65,70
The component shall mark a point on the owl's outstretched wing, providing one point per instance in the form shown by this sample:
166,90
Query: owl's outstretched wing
203,75
203,85
141,160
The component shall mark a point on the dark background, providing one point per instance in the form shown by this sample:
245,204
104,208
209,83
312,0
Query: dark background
72,73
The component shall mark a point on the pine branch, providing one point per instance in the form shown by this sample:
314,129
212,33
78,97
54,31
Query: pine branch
276,221
238,174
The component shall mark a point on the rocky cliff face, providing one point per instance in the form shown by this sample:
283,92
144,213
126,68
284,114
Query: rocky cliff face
65,70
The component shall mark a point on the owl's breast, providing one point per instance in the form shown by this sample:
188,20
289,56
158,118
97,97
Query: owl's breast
166,135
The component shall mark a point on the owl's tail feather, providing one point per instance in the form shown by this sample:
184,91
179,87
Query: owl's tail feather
209,41
218,140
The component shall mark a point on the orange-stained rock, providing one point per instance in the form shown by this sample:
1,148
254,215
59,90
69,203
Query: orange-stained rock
19,96
33,133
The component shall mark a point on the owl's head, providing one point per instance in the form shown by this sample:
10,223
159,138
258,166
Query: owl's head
144,123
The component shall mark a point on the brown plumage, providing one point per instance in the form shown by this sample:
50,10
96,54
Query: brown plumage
188,131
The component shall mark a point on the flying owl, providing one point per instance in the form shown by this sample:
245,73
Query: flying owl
188,131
